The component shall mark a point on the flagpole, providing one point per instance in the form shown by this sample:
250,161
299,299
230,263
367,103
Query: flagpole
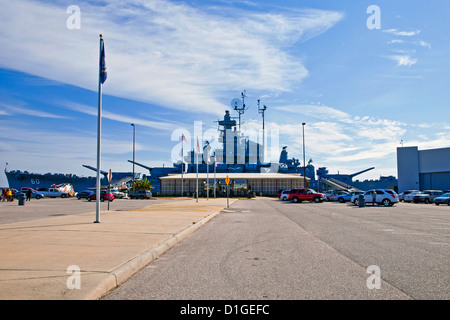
99,129
196,190
182,165
215,165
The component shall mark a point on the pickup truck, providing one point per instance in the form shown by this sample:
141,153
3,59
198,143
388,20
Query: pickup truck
52,193
299,195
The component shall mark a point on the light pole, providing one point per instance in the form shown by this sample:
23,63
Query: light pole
134,151
304,163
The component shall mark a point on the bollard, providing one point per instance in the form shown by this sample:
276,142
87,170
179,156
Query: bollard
361,201
21,199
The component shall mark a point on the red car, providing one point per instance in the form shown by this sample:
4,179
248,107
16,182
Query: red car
104,195
299,195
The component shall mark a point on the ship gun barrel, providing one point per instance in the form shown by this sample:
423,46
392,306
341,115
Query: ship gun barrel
360,172
95,169
141,165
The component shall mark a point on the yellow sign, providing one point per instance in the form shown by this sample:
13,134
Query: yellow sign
227,180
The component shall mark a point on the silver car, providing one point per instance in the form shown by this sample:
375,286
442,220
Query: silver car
442,199
141,194
401,196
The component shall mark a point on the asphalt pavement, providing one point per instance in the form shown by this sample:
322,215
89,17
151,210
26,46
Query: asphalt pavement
273,250
255,249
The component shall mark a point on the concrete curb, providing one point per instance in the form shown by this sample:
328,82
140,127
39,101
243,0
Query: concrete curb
118,276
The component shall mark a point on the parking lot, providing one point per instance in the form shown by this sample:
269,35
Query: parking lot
265,248
48,207
408,242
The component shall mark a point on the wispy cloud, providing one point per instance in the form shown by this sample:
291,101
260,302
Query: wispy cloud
402,33
314,110
425,44
29,112
161,52
160,125
404,60
336,136
395,41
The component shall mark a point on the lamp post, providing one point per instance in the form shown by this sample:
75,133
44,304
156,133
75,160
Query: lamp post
304,163
134,151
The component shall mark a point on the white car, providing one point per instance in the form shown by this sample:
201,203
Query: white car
385,197
284,195
410,196
402,195
117,194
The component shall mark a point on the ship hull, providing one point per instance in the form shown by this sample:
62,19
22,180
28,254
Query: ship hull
19,179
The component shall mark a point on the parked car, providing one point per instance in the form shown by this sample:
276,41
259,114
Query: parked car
53,193
385,197
117,194
347,196
410,196
104,195
284,195
329,194
336,194
141,194
34,194
427,196
442,199
299,195
84,194
401,196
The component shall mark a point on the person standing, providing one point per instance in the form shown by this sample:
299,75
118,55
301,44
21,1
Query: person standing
374,197
9,195
28,195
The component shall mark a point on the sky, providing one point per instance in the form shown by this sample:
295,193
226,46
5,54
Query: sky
364,79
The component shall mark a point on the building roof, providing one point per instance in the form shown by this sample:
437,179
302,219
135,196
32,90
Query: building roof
234,175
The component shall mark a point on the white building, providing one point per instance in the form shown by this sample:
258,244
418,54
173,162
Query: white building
423,169
266,184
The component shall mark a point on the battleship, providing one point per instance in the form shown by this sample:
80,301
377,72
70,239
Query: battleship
240,154
235,153
18,179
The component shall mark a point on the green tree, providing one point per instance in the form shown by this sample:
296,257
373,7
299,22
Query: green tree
143,185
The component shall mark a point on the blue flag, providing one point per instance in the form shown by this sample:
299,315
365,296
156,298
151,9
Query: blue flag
103,73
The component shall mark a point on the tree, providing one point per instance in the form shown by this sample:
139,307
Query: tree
143,185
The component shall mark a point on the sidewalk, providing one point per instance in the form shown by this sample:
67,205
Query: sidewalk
35,255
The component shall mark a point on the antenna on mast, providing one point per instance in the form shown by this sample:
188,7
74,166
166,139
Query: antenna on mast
239,107
261,111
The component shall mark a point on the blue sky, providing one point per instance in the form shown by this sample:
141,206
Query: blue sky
170,63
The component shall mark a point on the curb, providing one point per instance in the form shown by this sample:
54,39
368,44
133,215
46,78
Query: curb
119,275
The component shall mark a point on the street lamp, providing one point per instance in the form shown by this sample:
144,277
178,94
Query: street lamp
134,151
304,163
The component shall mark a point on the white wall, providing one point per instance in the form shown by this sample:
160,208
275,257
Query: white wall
434,160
